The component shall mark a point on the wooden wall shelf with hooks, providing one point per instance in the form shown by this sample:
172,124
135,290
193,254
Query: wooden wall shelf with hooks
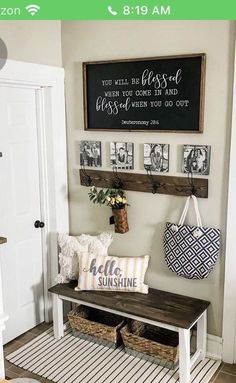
179,186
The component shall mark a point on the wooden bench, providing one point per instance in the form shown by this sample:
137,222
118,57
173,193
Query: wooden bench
171,311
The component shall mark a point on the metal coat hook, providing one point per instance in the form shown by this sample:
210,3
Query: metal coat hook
155,185
117,182
191,183
86,176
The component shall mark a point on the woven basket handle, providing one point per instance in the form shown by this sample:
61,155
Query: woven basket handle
196,208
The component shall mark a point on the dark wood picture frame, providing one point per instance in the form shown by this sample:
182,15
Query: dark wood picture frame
115,73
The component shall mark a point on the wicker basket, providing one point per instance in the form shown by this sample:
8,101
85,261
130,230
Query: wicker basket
160,345
96,325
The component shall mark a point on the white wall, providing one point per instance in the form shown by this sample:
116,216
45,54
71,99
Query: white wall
33,41
104,40
40,42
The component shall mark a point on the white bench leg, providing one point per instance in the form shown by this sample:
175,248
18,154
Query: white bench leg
184,356
202,334
58,317
3,319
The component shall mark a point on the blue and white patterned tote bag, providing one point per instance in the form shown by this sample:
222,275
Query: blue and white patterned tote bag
191,251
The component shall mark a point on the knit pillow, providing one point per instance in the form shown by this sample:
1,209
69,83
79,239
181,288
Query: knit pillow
71,247
112,273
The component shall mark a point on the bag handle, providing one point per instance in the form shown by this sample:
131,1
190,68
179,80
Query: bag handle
196,208
184,213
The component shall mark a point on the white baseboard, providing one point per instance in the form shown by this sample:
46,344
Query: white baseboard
214,346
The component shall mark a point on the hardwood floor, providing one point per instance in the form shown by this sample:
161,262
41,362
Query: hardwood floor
225,374
16,372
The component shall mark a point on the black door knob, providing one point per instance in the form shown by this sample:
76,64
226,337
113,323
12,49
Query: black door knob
38,224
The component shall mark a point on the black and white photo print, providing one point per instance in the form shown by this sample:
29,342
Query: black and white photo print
156,157
90,153
196,159
122,155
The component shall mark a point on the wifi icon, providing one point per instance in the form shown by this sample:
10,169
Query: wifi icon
32,9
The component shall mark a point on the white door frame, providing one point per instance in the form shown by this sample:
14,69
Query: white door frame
50,105
229,314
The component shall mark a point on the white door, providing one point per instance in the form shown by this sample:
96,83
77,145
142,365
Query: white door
21,259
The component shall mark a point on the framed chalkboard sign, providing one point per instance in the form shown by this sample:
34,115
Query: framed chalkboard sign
162,94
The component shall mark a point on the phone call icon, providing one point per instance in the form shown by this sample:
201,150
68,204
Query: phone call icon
113,13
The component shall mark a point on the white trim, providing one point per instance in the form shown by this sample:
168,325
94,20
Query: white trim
49,85
229,311
44,189
214,346
32,75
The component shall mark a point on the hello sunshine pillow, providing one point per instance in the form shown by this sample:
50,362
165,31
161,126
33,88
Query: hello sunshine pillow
112,273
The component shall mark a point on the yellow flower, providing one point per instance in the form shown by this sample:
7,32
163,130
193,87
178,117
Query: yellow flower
119,199
108,199
113,201
124,200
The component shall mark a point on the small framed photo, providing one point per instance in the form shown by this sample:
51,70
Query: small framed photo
156,157
122,155
196,159
90,153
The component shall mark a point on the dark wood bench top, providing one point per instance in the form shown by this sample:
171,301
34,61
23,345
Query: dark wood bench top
2,240
173,309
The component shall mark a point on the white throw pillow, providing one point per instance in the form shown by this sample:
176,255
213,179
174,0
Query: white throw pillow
112,273
71,247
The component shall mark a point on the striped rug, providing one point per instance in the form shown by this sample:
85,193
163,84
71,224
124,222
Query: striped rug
74,360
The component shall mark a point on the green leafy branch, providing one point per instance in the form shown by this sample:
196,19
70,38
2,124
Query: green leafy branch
114,198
